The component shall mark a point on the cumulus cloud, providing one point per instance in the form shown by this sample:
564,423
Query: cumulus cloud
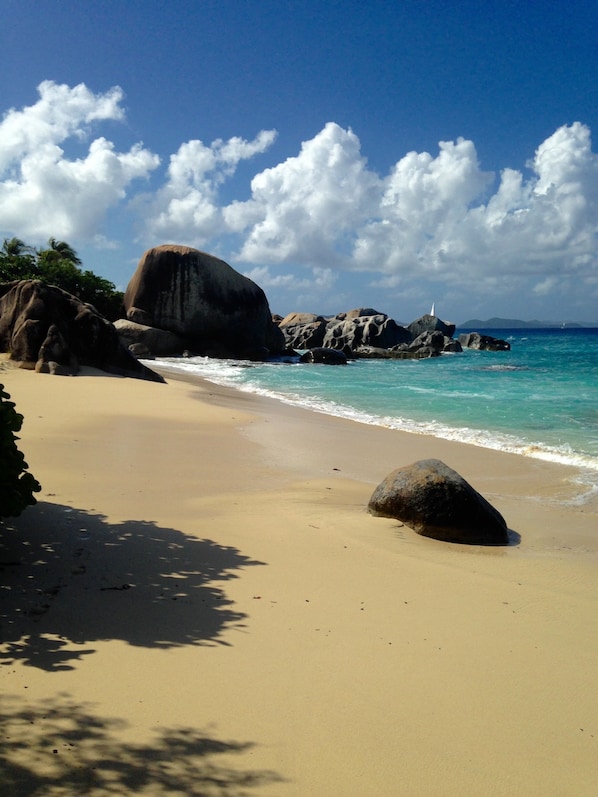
186,207
320,278
437,217
308,287
307,209
42,191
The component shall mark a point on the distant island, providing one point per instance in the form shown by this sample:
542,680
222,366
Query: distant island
516,323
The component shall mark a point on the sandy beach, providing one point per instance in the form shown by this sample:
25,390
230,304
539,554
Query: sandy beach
199,604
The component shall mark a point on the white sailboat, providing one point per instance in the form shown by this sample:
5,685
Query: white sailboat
432,311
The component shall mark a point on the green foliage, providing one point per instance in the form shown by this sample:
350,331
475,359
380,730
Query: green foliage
16,484
59,265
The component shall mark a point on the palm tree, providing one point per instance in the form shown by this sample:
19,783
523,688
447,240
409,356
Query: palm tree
17,260
64,251
15,247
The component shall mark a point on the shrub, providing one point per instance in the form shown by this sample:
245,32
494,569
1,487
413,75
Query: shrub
16,484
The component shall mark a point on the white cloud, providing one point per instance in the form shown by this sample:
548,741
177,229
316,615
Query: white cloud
423,202
44,193
186,208
431,218
546,286
307,208
321,278
434,219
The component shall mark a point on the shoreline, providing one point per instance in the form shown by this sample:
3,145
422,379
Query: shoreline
585,463
560,483
202,592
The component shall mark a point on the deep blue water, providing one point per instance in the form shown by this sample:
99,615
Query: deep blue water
540,399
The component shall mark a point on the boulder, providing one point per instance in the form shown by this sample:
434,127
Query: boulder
149,340
358,312
430,323
473,340
452,346
295,319
46,328
303,330
324,356
435,501
434,343
201,298
430,342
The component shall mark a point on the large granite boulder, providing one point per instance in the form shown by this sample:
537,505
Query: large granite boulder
473,340
437,502
364,327
203,299
46,328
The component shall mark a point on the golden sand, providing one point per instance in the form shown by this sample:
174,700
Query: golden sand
200,604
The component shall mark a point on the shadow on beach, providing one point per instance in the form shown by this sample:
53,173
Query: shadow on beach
69,577
58,747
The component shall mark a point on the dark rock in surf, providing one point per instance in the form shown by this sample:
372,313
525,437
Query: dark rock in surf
474,340
324,356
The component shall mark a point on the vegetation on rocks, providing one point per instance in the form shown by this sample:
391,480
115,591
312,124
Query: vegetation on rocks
58,264
17,485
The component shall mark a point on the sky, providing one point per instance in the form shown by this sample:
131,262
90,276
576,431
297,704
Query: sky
340,154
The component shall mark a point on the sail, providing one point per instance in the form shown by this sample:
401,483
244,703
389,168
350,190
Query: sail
432,311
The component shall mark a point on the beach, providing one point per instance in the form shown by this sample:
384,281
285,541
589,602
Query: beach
200,604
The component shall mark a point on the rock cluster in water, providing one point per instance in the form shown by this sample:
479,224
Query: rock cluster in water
365,332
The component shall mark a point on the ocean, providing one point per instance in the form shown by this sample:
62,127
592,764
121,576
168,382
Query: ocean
538,400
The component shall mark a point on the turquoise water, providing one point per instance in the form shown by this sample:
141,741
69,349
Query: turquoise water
540,399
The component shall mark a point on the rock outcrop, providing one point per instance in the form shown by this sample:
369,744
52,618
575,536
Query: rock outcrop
219,312
474,340
46,328
429,344
364,327
367,333
435,501
303,330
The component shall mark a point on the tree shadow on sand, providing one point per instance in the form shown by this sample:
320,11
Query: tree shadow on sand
58,747
69,578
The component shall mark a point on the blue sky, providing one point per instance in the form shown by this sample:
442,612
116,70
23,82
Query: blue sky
341,154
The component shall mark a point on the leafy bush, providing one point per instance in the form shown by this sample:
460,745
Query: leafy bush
16,484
